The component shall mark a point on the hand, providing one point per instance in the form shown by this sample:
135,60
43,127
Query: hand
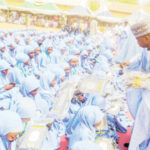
124,64
9,86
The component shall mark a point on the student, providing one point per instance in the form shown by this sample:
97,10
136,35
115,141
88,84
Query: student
23,64
10,128
139,101
4,67
75,69
32,90
47,83
83,127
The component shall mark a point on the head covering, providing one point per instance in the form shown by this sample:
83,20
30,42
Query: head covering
46,79
22,58
73,57
97,100
4,65
26,108
87,116
2,45
82,125
28,49
84,53
9,122
85,145
141,28
29,84
108,54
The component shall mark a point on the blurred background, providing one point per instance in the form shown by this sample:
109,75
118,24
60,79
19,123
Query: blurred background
56,14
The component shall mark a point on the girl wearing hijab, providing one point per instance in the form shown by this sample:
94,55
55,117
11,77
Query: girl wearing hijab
5,56
10,128
84,61
66,68
4,67
26,109
29,50
85,122
32,90
46,57
23,63
75,69
47,83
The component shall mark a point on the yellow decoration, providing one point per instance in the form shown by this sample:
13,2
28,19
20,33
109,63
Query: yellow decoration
101,28
64,7
137,82
99,88
94,5
15,2
31,144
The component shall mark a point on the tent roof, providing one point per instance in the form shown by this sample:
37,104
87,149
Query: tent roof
45,6
79,10
3,4
138,15
105,13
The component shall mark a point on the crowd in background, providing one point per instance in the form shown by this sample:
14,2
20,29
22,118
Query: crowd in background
33,66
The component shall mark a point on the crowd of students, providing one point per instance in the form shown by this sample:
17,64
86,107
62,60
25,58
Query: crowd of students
34,64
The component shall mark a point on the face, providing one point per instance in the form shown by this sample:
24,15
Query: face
24,120
67,70
49,50
12,136
53,83
3,49
89,51
28,40
34,92
78,54
144,41
63,79
37,50
31,54
27,62
16,40
74,62
5,71
84,56
97,124
63,51
39,42
11,47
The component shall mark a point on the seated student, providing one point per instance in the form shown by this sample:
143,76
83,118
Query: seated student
47,83
23,63
96,100
32,91
5,55
75,69
4,67
102,64
29,50
66,68
10,128
83,127
12,49
85,145
84,61
46,57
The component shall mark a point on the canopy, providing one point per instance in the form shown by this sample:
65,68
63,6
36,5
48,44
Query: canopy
138,15
79,10
105,13
3,4
46,8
